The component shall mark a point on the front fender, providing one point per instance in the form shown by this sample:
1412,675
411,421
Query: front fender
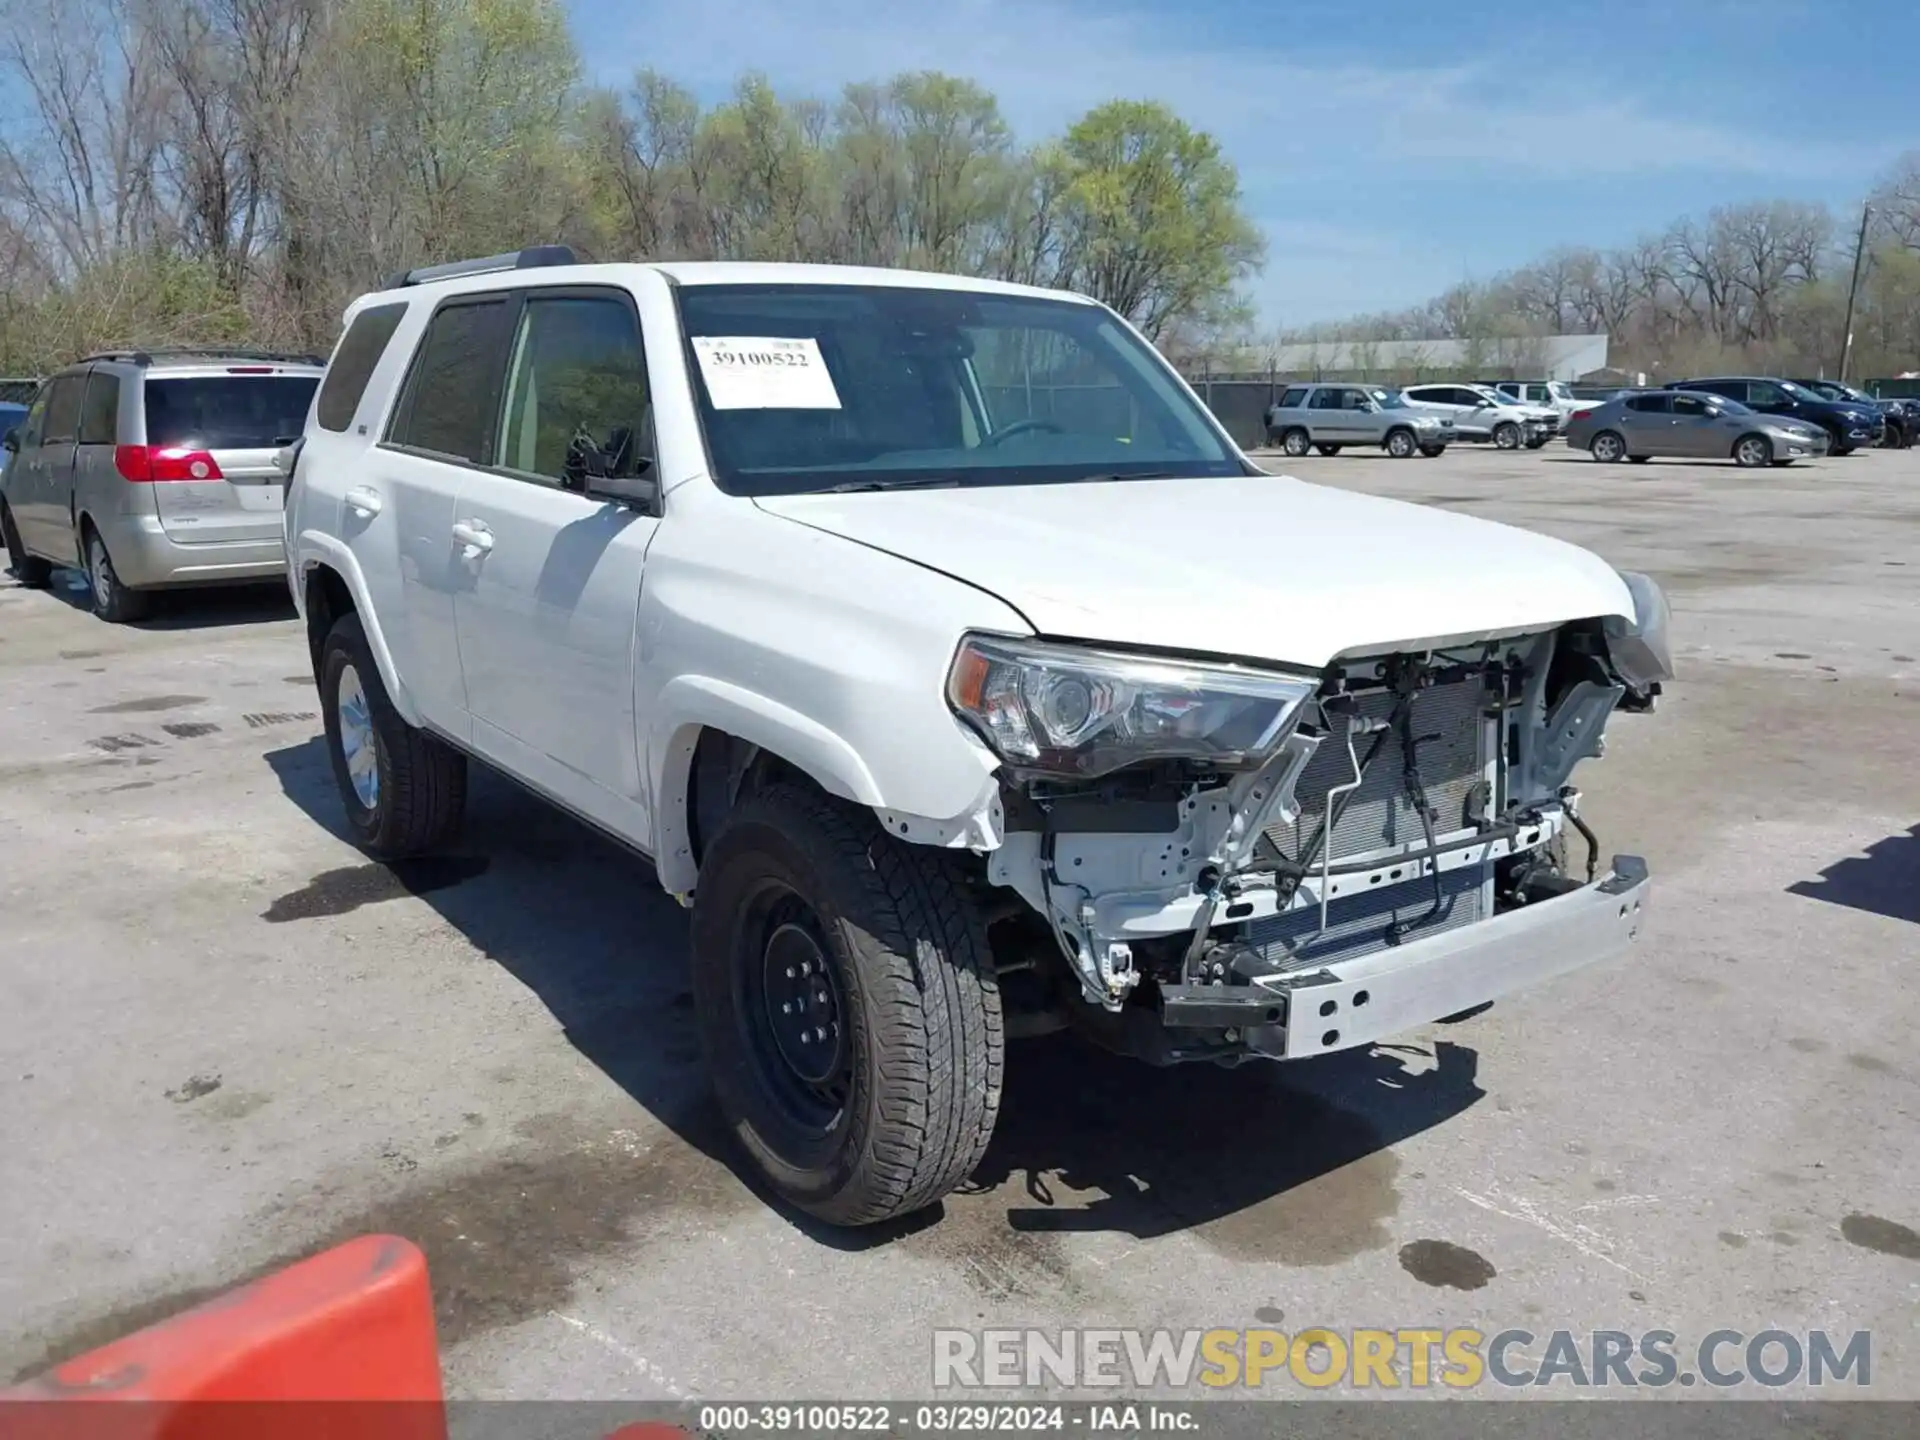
689,704
313,549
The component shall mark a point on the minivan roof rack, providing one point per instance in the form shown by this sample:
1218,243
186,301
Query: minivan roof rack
532,257
202,352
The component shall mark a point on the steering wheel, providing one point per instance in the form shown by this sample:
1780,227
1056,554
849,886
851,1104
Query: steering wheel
1021,427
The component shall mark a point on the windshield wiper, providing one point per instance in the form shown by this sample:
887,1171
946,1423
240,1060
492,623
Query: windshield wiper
916,482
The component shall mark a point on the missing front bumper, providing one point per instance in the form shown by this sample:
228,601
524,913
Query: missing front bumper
1388,992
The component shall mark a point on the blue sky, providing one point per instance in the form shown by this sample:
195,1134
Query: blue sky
1387,149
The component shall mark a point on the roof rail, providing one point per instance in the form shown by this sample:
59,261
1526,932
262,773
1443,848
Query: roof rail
203,352
530,258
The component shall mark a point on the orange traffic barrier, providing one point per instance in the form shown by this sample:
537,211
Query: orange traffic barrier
340,1345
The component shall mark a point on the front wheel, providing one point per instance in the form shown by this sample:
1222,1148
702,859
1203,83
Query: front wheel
1295,443
1328,449
1506,435
30,570
404,789
1608,447
847,1003
1400,444
1752,452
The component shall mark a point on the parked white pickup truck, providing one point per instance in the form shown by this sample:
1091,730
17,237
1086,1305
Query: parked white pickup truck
942,652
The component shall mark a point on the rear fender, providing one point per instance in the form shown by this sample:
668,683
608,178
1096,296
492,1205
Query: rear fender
315,550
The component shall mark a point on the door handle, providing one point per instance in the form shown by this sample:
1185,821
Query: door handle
364,499
474,535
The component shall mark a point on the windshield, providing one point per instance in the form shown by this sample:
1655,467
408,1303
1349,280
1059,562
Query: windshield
1493,397
1720,402
1798,392
809,387
1389,399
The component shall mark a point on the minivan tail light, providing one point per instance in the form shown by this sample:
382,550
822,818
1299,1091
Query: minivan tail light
144,463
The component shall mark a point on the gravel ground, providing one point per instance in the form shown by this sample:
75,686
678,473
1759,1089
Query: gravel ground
226,1039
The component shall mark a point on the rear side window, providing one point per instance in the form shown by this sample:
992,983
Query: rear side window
100,412
1648,404
449,401
1325,400
63,410
1294,398
228,412
352,365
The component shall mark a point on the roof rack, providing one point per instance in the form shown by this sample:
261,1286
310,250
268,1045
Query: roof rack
533,257
203,352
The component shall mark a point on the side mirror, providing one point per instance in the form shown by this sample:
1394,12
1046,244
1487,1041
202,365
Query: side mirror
10,442
641,491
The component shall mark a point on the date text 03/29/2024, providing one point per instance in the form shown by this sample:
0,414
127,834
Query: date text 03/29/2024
1123,1419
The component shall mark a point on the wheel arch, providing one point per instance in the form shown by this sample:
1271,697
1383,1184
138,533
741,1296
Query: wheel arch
713,731
331,585
717,730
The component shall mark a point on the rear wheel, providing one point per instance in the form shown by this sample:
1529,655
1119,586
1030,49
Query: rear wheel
1608,447
847,1002
1328,449
1752,452
1401,444
30,570
113,601
1506,435
404,790
1295,443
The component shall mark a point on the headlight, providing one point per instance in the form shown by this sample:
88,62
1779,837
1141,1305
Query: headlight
1642,651
1086,713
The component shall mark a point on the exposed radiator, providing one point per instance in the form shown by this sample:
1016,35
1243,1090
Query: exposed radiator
1450,722
1378,814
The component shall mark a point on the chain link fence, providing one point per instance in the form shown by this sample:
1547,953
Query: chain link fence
17,391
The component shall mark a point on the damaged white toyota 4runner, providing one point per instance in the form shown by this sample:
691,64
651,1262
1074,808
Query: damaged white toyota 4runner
944,653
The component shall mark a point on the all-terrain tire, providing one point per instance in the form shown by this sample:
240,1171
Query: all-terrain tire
30,570
918,1006
421,781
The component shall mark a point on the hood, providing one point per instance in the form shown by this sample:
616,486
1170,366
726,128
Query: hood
1260,566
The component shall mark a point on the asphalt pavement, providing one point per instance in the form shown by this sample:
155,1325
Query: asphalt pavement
226,1038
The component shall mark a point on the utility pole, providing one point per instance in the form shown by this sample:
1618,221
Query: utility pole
1853,290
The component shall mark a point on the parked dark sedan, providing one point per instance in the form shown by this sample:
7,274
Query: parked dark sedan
1848,425
1902,416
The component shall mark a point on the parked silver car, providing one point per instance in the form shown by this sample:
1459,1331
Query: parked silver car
1480,413
155,469
1329,417
1692,426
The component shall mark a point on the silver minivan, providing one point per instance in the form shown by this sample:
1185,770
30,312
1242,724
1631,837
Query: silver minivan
155,469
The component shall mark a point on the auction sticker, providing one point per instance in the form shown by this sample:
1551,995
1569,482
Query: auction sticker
756,372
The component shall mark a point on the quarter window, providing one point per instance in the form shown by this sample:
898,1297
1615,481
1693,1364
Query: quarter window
1294,398
352,366
576,391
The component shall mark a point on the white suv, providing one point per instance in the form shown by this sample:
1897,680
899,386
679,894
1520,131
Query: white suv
1479,413
944,654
